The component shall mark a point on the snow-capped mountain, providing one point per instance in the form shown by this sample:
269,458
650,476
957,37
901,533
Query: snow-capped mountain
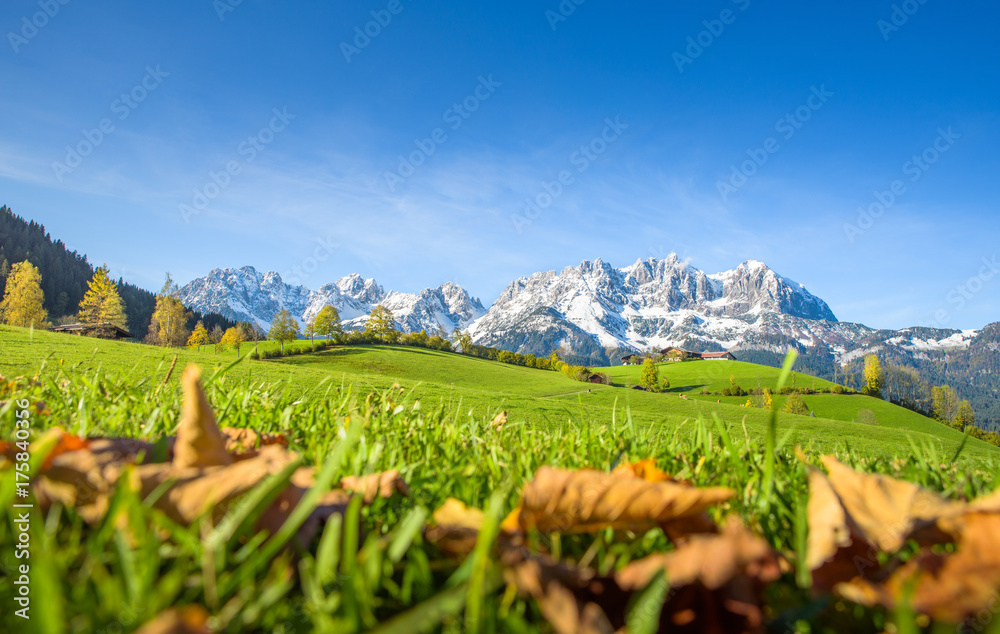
595,312
245,294
592,308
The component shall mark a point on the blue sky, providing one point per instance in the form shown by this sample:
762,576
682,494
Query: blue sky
660,141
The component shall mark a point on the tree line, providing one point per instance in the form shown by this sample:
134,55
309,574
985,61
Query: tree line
65,277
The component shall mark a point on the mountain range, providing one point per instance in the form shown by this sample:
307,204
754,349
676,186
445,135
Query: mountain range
593,312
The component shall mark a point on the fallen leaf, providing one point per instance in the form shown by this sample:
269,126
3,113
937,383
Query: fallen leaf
716,582
644,470
191,619
571,599
199,442
499,420
855,516
456,527
947,587
242,441
68,442
589,500
384,485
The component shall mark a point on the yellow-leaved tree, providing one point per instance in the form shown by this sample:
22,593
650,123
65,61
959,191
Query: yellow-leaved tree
168,326
199,336
233,337
102,304
23,297
381,322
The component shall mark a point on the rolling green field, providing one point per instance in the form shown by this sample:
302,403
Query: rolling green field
482,388
351,411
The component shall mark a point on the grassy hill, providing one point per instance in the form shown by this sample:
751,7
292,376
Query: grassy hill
480,388
374,567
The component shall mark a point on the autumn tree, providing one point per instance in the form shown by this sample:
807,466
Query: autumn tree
381,322
327,323
874,376
463,339
168,325
234,337
965,416
945,403
215,336
650,377
101,304
795,404
23,297
283,328
199,336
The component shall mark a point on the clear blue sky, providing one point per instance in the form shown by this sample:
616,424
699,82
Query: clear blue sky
864,98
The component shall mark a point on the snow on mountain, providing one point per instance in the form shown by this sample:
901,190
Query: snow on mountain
245,294
594,312
652,303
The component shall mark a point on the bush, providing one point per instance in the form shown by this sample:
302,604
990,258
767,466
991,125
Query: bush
838,389
734,390
866,417
795,405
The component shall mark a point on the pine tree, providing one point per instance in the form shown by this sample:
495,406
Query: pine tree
23,298
381,322
199,336
283,328
102,304
327,322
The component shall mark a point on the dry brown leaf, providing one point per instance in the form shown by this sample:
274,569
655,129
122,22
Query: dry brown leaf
644,470
384,485
67,442
571,599
947,587
854,516
242,441
499,420
202,478
589,500
199,442
192,619
197,490
716,581
457,527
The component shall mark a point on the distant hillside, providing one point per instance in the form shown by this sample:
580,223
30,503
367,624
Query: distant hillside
65,274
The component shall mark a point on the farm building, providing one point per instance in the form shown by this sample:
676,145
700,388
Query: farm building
103,330
718,356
